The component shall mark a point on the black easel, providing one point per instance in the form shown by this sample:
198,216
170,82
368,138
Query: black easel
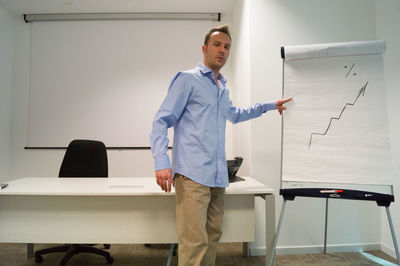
383,200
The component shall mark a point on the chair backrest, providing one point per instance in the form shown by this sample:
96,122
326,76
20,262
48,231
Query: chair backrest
85,158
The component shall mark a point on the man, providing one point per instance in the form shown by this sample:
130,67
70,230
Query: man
197,106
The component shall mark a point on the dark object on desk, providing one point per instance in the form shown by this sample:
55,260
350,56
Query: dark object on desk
233,167
83,158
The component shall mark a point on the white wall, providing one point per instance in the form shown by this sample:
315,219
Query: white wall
240,58
6,69
274,24
387,22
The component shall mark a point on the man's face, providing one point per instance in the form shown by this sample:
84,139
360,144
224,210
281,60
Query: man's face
216,52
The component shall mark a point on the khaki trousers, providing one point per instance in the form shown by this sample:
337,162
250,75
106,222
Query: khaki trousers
199,214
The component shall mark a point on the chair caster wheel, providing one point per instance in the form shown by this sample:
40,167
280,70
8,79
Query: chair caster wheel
110,260
38,259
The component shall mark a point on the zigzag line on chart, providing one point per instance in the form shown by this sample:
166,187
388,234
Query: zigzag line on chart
361,91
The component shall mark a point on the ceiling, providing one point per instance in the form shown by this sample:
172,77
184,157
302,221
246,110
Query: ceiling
18,7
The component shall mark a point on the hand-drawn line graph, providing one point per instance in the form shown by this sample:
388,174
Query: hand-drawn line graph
354,73
361,91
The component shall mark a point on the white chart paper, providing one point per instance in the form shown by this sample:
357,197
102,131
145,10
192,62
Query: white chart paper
336,128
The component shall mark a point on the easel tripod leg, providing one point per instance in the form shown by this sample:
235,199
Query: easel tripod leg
326,224
271,261
393,234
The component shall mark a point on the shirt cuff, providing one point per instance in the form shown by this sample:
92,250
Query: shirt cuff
162,162
268,106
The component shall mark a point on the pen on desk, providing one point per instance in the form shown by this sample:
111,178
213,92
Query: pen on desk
3,185
331,191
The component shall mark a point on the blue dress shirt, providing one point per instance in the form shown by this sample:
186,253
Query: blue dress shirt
198,116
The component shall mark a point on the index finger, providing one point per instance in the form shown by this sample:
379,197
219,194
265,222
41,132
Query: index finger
169,183
286,100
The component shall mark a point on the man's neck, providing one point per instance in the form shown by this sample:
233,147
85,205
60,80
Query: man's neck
216,71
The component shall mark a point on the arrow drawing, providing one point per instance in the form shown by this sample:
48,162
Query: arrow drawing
361,91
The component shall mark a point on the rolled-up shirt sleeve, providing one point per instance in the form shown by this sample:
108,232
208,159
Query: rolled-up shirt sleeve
169,112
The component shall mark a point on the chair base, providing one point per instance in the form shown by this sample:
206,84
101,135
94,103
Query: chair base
72,250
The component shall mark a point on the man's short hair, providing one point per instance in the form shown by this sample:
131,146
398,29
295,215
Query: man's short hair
223,28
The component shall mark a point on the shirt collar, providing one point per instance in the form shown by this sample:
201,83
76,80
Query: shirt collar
206,70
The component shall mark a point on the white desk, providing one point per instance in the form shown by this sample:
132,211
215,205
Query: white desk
116,211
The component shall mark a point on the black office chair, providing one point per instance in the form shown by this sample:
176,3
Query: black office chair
83,158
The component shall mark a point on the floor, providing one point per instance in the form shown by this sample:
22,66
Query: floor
229,254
